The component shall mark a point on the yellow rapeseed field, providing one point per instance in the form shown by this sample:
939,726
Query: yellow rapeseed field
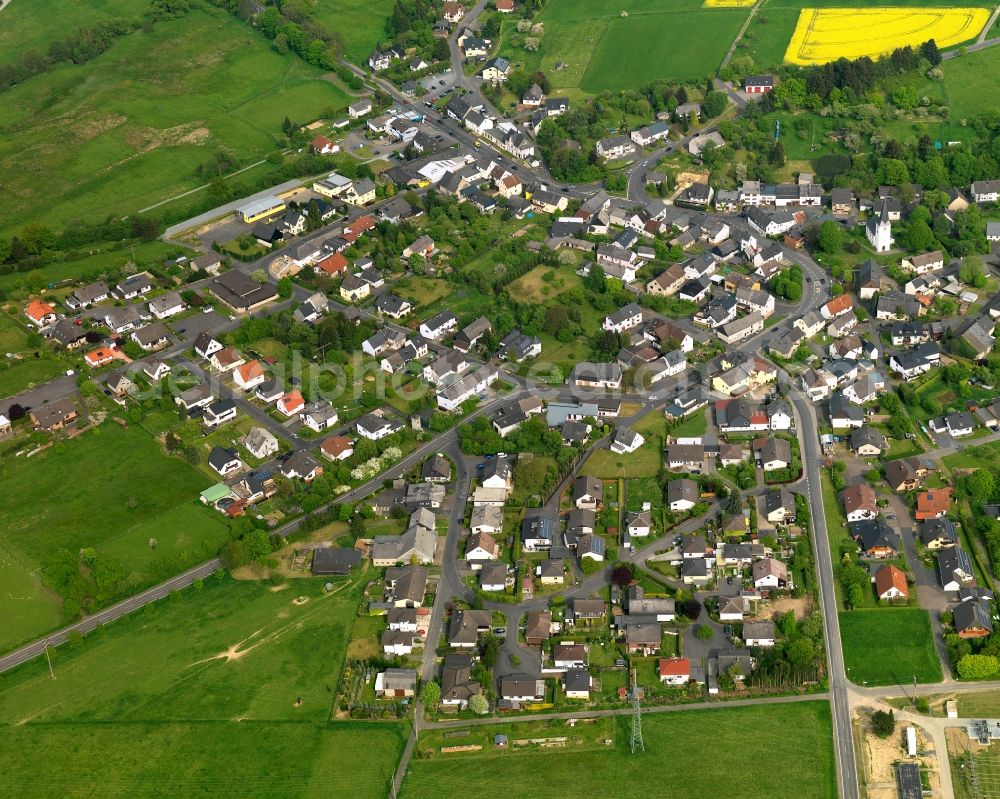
728,3
826,34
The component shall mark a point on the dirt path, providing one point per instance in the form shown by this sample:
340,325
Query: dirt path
739,36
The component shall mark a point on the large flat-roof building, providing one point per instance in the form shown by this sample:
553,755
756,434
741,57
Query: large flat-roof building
255,210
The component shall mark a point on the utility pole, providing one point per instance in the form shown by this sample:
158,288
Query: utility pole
48,659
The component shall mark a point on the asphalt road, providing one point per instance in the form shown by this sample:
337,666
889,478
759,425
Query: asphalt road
842,731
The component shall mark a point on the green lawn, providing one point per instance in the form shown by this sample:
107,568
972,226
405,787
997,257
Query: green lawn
111,489
742,756
28,607
979,704
972,457
422,291
17,375
143,115
693,426
889,646
643,489
644,462
218,725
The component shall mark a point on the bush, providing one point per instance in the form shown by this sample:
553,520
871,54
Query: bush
883,723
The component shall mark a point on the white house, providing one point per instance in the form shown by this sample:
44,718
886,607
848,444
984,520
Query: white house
439,325
624,318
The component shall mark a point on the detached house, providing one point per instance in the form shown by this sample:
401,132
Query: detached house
624,318
890,584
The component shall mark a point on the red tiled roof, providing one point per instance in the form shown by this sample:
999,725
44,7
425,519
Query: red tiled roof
931,504
334,264
336,445
839,304
38,309
890,577
675,667
250,371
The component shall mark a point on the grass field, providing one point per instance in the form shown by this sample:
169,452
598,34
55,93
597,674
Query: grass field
28,607
644,462
143,115
358,24
422,291
639,490
208,680
17,375
113,490
542,283
29,372
889,646
29,26
741,746
979,704
601,47
966,93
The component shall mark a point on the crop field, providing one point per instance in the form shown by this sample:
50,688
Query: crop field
889,646
590,46
144,115
86,493
770,33
826,34
741,746
228,688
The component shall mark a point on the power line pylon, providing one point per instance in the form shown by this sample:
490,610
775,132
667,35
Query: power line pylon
636,743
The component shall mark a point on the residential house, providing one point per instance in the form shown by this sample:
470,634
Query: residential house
219,412
53,416
973,619
933,504
319,416
682,494
938,533
890,584
759,633
225,461
260,442
860,502
875,538
537,628
249,375
588,493
769,573
955,569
